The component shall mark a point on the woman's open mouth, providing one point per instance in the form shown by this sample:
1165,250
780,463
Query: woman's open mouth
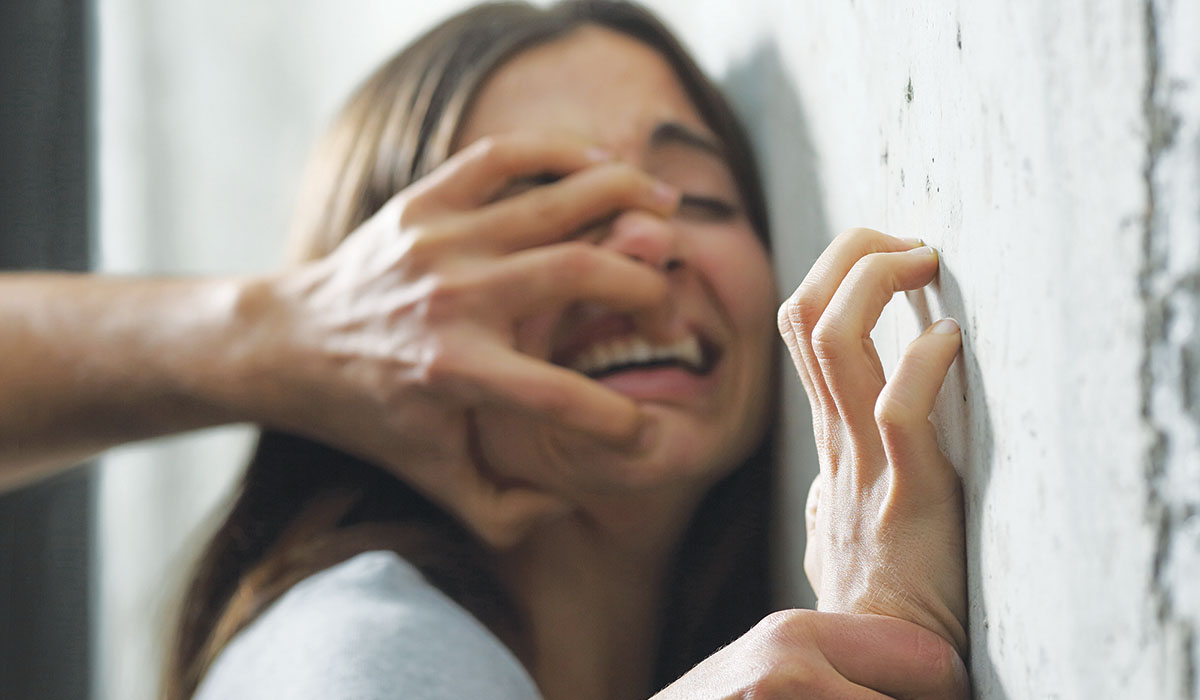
636,366
636,352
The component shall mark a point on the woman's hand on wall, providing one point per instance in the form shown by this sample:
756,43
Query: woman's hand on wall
809,654
408,325
885,515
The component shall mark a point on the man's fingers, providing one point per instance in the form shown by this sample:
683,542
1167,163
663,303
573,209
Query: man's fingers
513,379
553,212
892,656
550,277
903,408
481,171
842,340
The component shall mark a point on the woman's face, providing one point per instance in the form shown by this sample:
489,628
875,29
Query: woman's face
622,95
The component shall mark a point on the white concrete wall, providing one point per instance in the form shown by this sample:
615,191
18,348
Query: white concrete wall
1050,150
1016,138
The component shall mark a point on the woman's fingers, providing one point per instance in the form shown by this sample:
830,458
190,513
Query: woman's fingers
550,277
481,171
552,212
842,342
799,315
812,549
903,407
893,656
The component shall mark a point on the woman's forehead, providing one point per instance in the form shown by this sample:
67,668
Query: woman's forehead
594,83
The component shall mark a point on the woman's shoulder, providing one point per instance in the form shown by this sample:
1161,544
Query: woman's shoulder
368,628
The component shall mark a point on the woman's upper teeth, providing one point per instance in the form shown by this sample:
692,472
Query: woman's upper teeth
637,350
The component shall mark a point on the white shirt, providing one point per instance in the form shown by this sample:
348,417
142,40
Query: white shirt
369,628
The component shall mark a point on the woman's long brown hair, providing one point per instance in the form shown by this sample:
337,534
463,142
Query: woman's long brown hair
303,506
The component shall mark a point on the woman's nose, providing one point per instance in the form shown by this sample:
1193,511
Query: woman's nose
645,237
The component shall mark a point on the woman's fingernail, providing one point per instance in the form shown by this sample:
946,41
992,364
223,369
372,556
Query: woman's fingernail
946,326
911,242
923,250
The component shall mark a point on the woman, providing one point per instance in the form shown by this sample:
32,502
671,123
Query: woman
558,330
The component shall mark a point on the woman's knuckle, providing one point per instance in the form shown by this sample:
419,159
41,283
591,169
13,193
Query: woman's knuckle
828,341
871,266
859,236
783,319
875,274
803,311
890,413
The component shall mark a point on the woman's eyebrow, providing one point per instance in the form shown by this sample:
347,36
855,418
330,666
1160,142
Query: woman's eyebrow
669,133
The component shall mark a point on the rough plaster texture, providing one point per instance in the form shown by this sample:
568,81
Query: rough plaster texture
1050,150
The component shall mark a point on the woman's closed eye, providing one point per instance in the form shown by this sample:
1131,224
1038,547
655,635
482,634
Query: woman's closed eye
705,208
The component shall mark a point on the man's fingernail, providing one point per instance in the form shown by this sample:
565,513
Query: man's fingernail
599,155
945,326
665,193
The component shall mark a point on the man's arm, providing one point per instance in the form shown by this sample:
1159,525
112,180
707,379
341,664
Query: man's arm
88,362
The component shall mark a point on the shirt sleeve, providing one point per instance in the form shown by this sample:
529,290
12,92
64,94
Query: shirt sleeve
370,628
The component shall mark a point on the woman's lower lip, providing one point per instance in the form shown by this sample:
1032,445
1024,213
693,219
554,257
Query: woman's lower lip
659,383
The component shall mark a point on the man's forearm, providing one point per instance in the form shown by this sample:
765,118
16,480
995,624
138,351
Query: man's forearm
89,362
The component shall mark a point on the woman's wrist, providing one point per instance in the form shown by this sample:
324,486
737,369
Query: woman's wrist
935,617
